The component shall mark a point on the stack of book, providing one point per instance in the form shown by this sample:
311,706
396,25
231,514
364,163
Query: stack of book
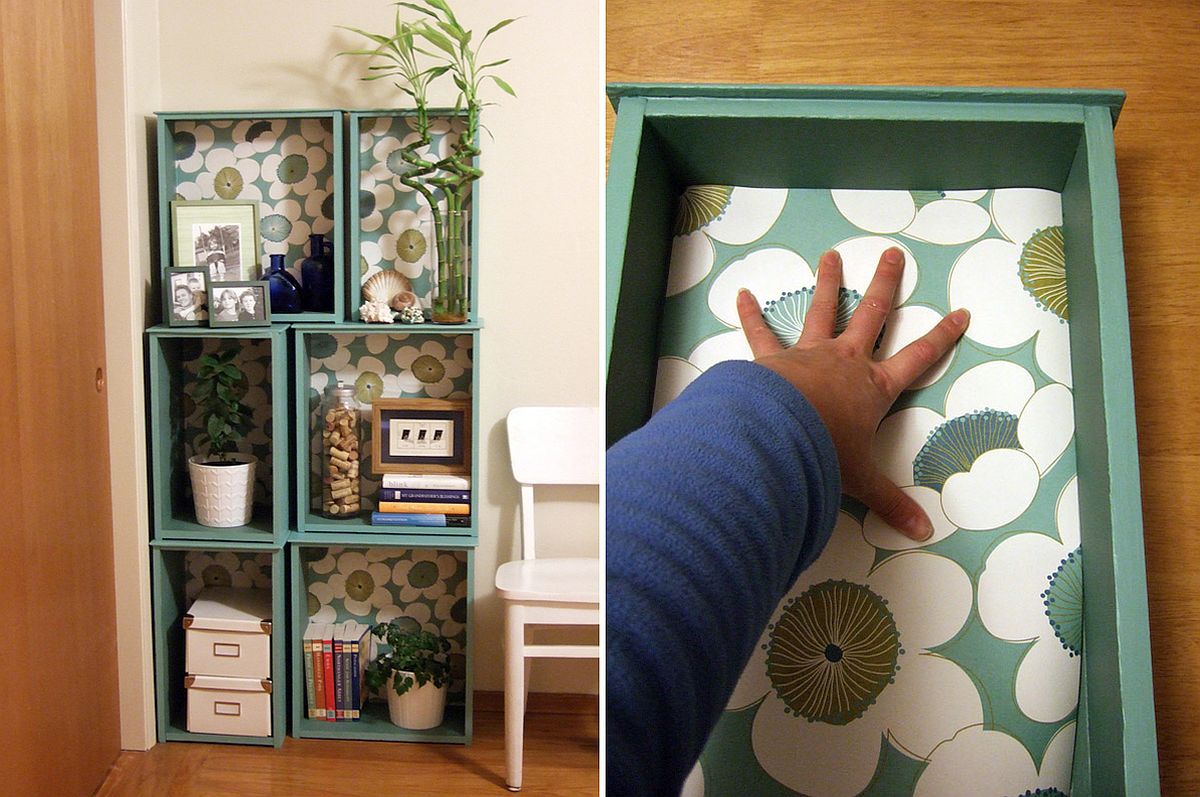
335,659
428,499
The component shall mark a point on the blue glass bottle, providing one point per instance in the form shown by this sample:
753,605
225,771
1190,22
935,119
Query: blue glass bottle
285,291
316,275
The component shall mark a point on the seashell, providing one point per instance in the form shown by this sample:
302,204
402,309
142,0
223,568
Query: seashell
375,313
404,299
383,286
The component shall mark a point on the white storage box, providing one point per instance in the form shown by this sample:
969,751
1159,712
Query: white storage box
231,706
229,633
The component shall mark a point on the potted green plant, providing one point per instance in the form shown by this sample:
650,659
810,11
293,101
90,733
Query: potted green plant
415,673
222,478
445,184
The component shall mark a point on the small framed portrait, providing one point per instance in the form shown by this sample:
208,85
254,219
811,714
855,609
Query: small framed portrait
217,234
421,436
186,292
239,304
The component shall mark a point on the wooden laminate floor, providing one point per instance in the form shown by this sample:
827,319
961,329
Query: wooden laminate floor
561,758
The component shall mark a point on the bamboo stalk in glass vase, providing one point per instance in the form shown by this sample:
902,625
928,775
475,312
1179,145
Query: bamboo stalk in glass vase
413,56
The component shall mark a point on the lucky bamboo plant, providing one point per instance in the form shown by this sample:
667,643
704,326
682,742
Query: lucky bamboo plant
439,40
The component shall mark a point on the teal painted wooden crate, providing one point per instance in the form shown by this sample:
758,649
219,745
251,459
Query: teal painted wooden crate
179,570
932,145
421,582
390,225
396,361
290,162
175,422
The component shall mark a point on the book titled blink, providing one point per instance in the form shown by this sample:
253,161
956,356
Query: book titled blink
419,519
424,481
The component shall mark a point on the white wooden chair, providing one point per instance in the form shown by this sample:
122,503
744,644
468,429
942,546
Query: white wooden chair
547,445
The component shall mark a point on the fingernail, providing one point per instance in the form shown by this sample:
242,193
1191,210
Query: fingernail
832,257
744,292
961,316
894,256
921,529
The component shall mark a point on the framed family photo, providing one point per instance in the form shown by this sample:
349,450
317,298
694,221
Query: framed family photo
421,436
240,304
186,297
218,234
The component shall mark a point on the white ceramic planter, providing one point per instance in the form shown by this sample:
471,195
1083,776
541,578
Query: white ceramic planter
223,493
418,709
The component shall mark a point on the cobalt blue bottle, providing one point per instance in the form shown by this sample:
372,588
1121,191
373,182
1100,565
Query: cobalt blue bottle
316,275
285,291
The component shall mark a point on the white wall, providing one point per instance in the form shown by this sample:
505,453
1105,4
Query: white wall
539,250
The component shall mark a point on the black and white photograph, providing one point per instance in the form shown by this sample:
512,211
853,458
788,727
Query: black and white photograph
240,304
187,297
218,235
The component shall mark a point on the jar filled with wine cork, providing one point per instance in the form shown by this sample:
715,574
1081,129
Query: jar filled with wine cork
341,435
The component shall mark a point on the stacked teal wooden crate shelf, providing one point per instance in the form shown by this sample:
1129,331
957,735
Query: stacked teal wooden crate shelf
293,163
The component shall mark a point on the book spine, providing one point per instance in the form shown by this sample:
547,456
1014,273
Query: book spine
355,682
330,703
318,670
309,687
418,519
407,494
433,481
339,691
420,507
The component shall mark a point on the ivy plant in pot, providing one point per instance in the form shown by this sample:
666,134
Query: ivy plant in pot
415,674
222,478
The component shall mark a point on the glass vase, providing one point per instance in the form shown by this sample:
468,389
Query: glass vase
341,432
451,288
316,275
285,291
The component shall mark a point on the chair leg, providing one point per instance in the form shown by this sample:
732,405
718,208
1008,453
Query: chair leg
514,693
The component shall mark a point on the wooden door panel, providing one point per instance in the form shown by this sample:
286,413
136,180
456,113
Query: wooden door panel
58,667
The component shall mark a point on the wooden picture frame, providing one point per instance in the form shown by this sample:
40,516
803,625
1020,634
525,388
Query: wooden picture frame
181,311
241,313
421,436
219,234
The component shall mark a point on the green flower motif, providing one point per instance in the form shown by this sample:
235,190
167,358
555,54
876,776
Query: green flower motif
368,387
185,144
293,169
228,183
1063,600
257,129
360,585
321,346
832,652
423,574
366,204
954,445
327,206
699,205
216,576
1043,270
395,163
428,369
410,246
275,227
314,605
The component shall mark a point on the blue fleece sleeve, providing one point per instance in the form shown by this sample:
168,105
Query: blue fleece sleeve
713,508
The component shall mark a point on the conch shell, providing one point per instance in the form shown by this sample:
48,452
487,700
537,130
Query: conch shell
383,286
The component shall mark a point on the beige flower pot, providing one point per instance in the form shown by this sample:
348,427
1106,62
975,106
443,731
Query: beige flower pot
223,493
418,709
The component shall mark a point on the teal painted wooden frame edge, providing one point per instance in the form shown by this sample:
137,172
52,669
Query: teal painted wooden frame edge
1113,99
166,192
168,642
163,524
354,167
359,531
304,728
1116,734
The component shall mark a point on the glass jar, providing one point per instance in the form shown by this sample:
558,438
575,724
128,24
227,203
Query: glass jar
341,435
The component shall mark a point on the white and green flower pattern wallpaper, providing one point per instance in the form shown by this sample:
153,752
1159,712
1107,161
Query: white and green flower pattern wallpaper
395,365
284,164
421,588
946,667
240,569
395,224
254,360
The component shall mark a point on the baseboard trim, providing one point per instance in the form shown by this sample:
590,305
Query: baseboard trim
543,703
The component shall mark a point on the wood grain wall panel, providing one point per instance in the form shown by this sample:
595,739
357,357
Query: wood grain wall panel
1146,48
57,616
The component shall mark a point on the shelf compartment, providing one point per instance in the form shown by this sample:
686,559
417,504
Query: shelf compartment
385,209
174,423
179,571
431,586
379,360
291,162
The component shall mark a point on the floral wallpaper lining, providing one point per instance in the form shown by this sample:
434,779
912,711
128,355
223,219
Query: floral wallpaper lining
945,667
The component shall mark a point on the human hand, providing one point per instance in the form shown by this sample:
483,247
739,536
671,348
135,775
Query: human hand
849,390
